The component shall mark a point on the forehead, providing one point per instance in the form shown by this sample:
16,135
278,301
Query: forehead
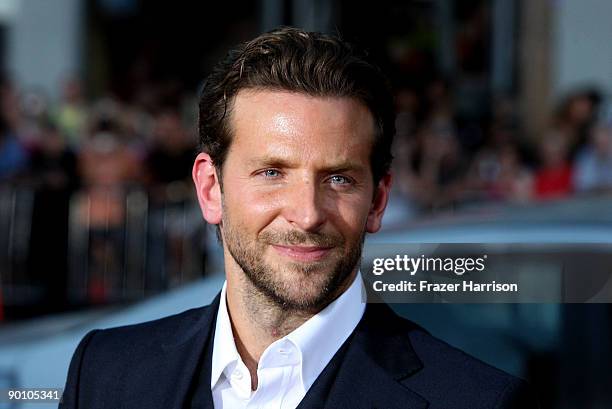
289,123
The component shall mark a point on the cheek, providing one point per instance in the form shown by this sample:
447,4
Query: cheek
249,207
350,217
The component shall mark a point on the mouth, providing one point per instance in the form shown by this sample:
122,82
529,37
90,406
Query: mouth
303,253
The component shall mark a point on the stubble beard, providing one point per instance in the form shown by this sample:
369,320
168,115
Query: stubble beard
306,287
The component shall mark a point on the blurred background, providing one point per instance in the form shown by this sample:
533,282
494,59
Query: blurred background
504,134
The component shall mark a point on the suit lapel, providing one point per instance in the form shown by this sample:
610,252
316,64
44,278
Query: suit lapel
182,358
378,357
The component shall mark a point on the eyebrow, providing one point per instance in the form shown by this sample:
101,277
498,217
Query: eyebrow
275,162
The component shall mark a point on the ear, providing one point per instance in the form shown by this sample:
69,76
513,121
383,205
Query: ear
381,197
208,188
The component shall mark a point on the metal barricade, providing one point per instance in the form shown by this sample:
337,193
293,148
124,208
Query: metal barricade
154,246
151,247
16,205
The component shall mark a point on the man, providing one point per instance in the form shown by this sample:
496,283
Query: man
296,130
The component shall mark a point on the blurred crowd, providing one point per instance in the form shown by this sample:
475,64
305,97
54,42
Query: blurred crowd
445,160
107,145
81,160
94,144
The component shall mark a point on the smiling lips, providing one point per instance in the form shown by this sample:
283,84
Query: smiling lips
303,253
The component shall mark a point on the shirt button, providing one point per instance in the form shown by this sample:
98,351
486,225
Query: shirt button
237,375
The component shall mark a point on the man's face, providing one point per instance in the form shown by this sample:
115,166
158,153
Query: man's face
298,194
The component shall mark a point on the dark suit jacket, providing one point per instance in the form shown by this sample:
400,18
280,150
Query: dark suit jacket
387,363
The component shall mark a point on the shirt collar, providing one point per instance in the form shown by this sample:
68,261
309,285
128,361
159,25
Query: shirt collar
337,321
321,336
224,347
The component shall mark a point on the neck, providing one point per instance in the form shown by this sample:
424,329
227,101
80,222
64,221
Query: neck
256,320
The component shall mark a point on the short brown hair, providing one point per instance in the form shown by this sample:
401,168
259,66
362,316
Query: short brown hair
291,59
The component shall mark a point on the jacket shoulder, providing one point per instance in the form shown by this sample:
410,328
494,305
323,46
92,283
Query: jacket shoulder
123,348
152,333
450,376
106,359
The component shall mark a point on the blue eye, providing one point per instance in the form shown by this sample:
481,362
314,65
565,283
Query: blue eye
271,173
340,180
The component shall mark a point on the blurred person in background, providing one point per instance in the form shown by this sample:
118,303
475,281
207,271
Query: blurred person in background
438,101
14,158
53,175
497,170
170,157
439,165
594,163
53,162
575,118
13,155
137,125
169,163
554,177
34,115
499,174
71,113
108,168
403,203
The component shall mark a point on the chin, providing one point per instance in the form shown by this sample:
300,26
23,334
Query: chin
304,290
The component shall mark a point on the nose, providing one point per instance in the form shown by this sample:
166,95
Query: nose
304,207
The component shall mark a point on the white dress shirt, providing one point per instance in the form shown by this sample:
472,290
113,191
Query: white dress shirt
289,366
